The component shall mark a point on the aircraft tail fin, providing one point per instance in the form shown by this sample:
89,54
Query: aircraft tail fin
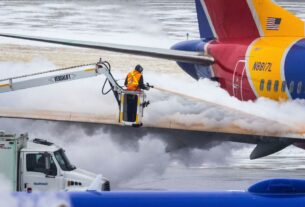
236,19
273,20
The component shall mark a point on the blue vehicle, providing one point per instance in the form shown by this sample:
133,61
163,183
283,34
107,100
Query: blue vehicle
269,193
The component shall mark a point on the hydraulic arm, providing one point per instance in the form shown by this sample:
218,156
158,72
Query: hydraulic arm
131,103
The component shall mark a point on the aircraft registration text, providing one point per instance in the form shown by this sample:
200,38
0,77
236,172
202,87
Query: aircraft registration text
262,66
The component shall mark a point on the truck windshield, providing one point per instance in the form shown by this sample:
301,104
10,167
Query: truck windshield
63,161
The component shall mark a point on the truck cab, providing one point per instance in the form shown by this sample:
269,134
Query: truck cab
39,165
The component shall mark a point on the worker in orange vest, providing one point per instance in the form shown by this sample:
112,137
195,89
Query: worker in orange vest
134,82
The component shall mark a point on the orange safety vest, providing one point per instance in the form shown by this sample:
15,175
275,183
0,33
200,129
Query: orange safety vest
133,79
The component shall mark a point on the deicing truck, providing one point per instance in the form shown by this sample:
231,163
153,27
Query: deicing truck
39,165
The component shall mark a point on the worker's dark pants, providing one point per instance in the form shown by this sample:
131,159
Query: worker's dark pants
132,101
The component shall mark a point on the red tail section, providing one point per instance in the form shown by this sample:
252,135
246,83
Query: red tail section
230,19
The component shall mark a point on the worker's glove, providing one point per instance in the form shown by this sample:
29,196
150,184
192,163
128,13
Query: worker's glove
145,104
149,86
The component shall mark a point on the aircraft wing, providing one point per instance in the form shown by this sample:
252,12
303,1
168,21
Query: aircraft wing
176,134
185,135
181,56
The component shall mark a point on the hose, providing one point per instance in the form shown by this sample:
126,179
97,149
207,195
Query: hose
108,66
103,89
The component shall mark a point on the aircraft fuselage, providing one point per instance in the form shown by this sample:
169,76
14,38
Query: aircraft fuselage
269,67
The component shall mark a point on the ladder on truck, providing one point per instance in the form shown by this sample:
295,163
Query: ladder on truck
130,114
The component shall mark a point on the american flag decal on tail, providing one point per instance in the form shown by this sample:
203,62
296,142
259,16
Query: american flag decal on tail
273,23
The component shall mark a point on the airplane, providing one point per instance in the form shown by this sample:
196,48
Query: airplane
252,48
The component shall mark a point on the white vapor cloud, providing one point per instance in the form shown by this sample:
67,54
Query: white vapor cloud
121,157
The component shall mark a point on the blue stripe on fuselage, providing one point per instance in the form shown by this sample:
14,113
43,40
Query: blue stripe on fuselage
204,26
295,69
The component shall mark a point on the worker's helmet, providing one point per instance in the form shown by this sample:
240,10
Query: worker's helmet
139,68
